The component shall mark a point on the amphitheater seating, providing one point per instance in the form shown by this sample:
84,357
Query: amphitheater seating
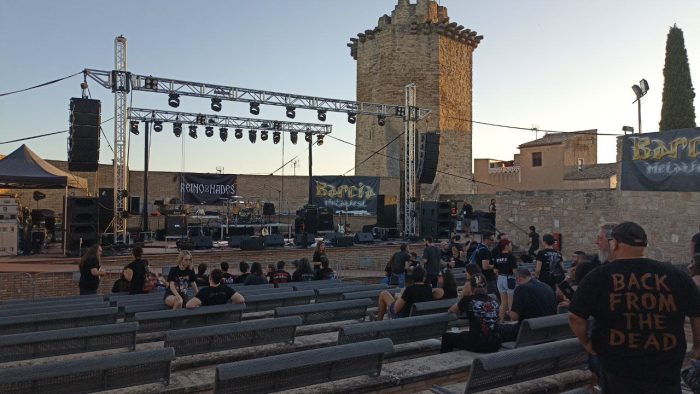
130,311
264,302
30,309
57,320
300,369
355,295
398,330
61,299
185,318
430,307
251,290
336,293
327,311
540,330
46,304
32,345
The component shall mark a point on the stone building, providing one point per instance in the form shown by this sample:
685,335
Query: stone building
417,44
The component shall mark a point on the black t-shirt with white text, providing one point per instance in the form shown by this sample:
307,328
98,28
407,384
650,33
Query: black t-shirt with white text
639,306
415,293
183,280
551,271
505,263
218,295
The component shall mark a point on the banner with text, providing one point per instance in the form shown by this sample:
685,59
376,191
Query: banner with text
356,194
206,188
663,161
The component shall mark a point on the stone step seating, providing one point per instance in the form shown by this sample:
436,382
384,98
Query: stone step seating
304,368
73,302
57,320
90,374
42,344
266,302
355,295
336,293
430,307
185,318
317,284
31,309
540,330
327,311
404,330
60,299
249,290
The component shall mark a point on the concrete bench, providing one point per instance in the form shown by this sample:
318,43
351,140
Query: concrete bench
356,295
57,320
185,318
45,304
301,369
540,330
264,302
31,309
232,336
250,290
27,346
331,294
327,311
129,311
74,298
519,365
241,286
90,374
404,330
430,307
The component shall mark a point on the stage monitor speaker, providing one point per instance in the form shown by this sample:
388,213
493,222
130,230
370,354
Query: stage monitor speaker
386,210
175,226
298,239
235,240
330,237
364,238
253,244
325,222
268,209
343,241
203,242
428,155
84,135
274,240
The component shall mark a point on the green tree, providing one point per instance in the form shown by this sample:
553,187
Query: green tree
677,109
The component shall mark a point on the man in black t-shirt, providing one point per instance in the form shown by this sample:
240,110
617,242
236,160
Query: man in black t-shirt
227,277
243,267
431,262
531,298
399,262
639,306
135,272
549,266
484,259
695,245
215,294
419,291
534,241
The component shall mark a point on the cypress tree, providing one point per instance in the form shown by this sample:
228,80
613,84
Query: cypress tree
677,109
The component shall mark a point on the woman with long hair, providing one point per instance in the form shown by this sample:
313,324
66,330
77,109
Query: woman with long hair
447,286
256,276
505,265
180,278
319,255
303,272
91,270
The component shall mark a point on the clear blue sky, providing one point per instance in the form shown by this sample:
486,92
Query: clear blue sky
563,65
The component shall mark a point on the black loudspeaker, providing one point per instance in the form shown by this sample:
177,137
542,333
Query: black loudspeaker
343,241
368,228
235,241
253,244
311,219
175,226
274,240
134,204
435,219
330,237
105,208
268,209
386,210
81,223
325,222
298,240
364,238
202,242
84,135
428,154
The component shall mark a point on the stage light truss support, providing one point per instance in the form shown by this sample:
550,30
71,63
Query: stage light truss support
120,88
410,181
147,115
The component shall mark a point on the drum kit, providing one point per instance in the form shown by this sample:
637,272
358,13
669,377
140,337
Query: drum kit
241,211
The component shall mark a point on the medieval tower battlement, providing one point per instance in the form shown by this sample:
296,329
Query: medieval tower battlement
417,44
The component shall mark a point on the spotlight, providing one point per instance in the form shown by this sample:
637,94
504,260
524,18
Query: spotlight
223,134
150,83
276,125
322,115
276,136
216,104
293,137
157,126
174,100
265,125
135,127
263,135
255,108
319,139
209,131
193,131
381,120
238,133
307,136
290,112
252,136
201,119
352,117
177,129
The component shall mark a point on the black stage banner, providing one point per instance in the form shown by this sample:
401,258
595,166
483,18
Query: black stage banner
357,194
206,188
663,161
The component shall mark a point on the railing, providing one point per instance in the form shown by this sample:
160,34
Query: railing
504,170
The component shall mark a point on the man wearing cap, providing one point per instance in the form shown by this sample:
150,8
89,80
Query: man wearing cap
531,298
639,306
549,268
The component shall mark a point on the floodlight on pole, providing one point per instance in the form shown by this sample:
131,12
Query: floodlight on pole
628,129
640,91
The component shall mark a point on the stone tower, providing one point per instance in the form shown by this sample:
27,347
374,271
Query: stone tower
417,44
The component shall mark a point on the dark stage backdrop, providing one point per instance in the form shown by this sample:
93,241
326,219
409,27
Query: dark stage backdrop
663,161
206,188
354,193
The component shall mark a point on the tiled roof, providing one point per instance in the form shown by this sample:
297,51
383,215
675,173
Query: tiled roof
553,139
597,171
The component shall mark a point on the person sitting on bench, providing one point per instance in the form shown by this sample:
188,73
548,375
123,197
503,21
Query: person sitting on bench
215,294
419,291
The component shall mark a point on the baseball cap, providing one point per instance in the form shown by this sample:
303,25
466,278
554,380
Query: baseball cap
629,233
549,239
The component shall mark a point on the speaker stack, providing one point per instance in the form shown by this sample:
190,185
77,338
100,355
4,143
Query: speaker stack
435,219
82,224
386,211
325,219
274,240
236,240
299,239
175,226
428,154
84,137
253,244
268,209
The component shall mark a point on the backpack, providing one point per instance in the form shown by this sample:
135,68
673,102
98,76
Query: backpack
150,280
555,268
486,313
472,258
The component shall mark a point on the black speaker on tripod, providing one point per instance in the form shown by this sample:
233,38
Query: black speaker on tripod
81,223
84,135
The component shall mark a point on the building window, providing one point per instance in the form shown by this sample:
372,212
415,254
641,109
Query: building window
579,163
537,159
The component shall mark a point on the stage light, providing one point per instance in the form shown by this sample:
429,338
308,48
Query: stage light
216,104
381,120
201,119
277,125
322,115
265,125
276,136
352,117
177,129
174,100
223,134
263,135
307,136
193,131
293,137
252,135
319,139
135,127
255,108
238,133
150,83
209,131
290,112
157,126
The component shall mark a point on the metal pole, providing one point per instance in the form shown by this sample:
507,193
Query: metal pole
311,197
639,114
145,180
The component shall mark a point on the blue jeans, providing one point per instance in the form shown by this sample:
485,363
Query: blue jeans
401,279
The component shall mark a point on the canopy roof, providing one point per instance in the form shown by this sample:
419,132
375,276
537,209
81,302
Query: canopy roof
24,169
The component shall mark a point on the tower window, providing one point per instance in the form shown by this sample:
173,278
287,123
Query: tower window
537,159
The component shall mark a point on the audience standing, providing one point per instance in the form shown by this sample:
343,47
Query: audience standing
91,270
694,270
431,261
534,241
136,271
180,279
216,294
531,298
695,245
505,265
319,255
399,262
419,291
484,260
549,266
256,277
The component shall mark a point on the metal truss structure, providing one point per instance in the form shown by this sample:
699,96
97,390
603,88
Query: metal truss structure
156,115
409,156
120,88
